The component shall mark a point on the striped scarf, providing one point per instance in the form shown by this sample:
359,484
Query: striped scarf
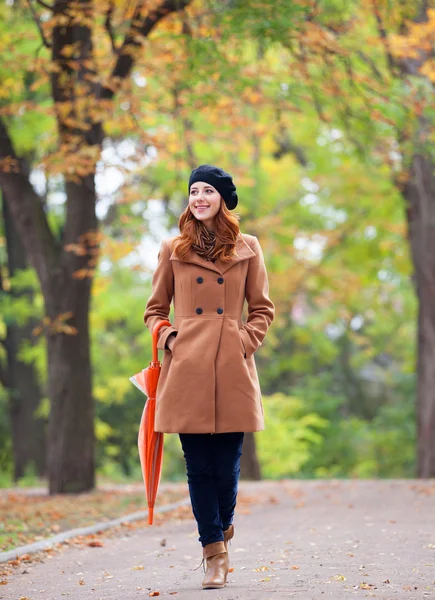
205,242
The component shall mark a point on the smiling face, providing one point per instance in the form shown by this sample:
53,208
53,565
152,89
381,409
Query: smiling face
204,202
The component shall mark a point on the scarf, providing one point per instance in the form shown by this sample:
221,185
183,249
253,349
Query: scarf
205,242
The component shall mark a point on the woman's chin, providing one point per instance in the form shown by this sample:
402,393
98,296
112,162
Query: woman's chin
202,217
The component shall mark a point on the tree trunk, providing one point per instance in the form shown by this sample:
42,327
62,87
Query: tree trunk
71,435
71,429
419,193
28,431
249,465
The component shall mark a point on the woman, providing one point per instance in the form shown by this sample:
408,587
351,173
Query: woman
208,390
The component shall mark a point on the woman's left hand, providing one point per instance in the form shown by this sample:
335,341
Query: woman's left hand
170,341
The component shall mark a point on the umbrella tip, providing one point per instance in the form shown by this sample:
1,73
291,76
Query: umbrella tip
150,515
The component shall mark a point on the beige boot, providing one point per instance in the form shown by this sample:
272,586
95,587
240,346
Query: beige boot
216,560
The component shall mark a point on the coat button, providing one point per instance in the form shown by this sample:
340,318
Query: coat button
220,280
220,311
200,280
199,311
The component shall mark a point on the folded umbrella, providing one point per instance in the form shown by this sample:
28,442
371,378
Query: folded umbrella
150,443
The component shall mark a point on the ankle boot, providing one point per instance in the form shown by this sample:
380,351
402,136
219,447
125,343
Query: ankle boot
216,560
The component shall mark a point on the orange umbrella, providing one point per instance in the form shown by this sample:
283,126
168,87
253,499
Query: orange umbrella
149,442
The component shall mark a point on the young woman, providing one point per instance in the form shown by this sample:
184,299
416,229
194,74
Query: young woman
208,390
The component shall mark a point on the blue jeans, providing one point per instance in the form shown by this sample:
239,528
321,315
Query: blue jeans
213,469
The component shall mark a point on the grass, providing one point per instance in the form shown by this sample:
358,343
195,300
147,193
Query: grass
28,517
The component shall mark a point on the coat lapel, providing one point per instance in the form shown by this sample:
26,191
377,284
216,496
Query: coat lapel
243,251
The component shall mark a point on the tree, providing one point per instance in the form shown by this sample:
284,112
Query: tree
381,95
82,98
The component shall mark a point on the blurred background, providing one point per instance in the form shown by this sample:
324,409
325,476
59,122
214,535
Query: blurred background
323,112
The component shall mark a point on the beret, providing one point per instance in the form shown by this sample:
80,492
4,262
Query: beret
219,179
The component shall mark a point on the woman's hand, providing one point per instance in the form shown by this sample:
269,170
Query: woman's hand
170,341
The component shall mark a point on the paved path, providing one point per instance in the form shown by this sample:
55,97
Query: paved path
305,540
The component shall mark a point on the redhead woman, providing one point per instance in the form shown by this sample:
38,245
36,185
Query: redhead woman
208,390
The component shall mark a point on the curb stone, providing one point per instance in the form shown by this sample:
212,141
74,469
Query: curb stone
65,535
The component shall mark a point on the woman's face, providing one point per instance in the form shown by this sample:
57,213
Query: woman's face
204,202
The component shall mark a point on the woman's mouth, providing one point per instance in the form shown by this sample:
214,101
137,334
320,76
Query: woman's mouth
202,208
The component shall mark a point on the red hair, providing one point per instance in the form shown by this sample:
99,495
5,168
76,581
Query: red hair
227,231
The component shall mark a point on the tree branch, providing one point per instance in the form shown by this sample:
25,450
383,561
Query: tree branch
285,145
383,35
138,29
372,66
38,24
109,28
43,4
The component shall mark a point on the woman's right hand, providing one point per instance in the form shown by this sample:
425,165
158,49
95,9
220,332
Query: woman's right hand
170,341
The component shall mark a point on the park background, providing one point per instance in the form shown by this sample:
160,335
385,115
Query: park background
323,113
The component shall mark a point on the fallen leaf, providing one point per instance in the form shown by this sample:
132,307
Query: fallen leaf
367,586
265,579
231,569
339,578
386,581
138,568
96,544
82,581
3,582
259,569
295,568
154,594
173,593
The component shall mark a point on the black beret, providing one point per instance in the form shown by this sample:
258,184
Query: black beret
220,180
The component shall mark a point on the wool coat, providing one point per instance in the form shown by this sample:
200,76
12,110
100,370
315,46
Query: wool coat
209,382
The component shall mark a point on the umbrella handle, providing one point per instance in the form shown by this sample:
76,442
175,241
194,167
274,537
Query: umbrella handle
156,337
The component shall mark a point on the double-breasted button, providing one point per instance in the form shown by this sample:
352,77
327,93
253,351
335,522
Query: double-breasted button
220,280
200,280
220,311
199,311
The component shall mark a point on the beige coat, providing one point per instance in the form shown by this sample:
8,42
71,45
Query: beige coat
209,382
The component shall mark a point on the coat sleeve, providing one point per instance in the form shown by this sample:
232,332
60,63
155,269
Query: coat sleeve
159,304
261,309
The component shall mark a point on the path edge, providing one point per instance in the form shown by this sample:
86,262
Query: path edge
66,535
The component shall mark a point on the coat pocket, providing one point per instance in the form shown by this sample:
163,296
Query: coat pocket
177,338
242,344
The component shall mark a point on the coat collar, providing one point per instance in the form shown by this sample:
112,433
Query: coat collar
243,250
